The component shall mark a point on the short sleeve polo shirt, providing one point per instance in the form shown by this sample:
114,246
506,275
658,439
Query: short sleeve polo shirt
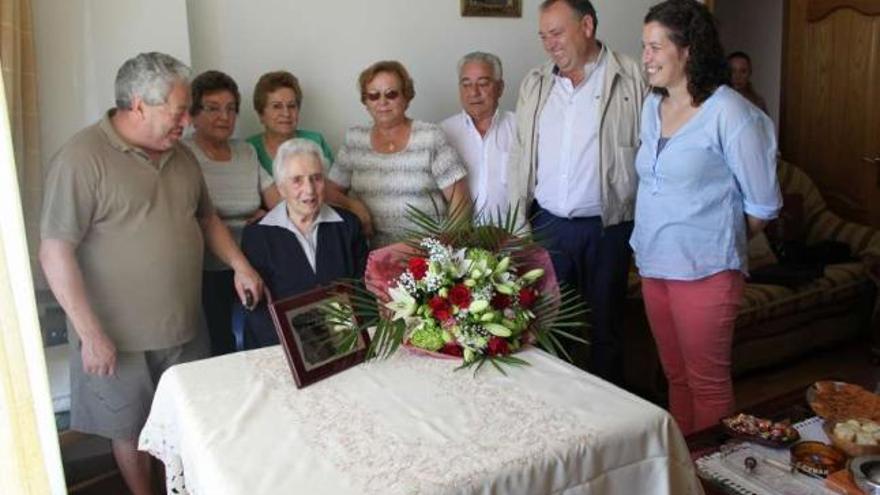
135,225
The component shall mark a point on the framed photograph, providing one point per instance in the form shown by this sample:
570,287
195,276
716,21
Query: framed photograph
491,8
314,329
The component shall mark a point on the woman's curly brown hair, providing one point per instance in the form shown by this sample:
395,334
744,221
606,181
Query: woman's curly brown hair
692,26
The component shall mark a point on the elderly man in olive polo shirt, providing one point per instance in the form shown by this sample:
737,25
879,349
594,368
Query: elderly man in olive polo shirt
125,220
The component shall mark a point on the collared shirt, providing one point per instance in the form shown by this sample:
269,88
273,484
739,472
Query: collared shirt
278,217
569,181
485,157
135,224
694,194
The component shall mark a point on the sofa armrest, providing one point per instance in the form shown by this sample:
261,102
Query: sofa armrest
863,241
819,222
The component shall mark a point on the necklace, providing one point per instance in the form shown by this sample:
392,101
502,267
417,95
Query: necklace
391,140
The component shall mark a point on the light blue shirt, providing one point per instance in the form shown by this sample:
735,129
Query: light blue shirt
693,196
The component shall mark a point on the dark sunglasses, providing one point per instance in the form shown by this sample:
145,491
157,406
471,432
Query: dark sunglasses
390,94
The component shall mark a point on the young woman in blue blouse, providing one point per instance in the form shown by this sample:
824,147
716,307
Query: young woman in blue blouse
707,181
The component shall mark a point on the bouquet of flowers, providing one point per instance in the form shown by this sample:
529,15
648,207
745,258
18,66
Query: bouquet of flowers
464,302
473,292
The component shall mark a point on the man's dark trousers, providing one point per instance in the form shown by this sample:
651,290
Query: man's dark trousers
595,260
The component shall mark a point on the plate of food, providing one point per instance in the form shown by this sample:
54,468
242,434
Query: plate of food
856,437
761,430
834,400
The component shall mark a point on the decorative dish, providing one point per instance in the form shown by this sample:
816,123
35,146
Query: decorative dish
761,430
840,401
817,458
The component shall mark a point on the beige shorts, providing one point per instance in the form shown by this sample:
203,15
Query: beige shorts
116,407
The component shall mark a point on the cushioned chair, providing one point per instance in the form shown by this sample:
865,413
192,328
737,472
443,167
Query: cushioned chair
776,322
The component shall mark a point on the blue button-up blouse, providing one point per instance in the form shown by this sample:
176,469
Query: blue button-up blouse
694,194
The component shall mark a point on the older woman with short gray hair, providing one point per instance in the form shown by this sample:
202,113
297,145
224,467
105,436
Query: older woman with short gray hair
302,243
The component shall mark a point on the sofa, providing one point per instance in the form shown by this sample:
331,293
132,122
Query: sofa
778,323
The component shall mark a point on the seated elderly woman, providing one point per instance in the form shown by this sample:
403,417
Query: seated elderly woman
302,243
239,188
278,99
396,161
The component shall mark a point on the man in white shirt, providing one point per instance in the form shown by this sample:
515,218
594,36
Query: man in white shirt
481,133
572,165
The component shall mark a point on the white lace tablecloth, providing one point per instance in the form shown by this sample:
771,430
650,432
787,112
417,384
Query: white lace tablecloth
236,424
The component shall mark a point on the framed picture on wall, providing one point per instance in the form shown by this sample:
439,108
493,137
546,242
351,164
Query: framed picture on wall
491,8
314,329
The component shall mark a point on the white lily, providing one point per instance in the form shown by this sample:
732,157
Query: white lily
496,329
502,266
478,305
402,303
458,264
532,275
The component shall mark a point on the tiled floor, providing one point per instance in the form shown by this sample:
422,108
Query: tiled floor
851,362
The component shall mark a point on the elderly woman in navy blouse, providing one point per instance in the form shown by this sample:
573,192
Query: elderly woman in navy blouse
302,243
707,181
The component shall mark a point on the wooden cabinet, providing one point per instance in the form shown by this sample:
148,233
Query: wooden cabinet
830,124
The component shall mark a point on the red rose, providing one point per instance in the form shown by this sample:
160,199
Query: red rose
460,296
500,301
440,308
498,347
418,267
527,297
451,348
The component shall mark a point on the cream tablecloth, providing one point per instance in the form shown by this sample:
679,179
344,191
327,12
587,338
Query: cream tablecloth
237,425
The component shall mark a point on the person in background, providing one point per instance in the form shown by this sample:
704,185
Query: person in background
707,181
572,166
278,100
240,190
396,161
481,133
740,78
125,214
302,243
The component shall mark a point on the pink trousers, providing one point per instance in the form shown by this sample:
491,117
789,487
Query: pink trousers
692,322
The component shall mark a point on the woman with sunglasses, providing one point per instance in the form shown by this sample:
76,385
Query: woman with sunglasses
707,181
241,191
396,161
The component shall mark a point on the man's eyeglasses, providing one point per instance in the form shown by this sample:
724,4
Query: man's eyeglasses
390,95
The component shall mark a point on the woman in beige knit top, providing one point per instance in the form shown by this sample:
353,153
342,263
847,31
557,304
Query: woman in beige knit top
396,161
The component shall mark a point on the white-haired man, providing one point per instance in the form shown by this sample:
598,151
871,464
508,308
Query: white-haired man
481,133
125,219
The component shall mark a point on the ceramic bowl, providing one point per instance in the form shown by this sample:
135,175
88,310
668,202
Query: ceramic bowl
817,458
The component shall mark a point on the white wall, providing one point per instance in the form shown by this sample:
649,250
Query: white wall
327,44
755,27
80,44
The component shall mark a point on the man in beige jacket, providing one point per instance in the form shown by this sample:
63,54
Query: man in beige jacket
572,165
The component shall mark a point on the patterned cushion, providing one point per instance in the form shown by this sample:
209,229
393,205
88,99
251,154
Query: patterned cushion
842,282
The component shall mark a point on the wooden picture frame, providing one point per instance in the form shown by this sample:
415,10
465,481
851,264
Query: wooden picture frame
310,338
491,8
